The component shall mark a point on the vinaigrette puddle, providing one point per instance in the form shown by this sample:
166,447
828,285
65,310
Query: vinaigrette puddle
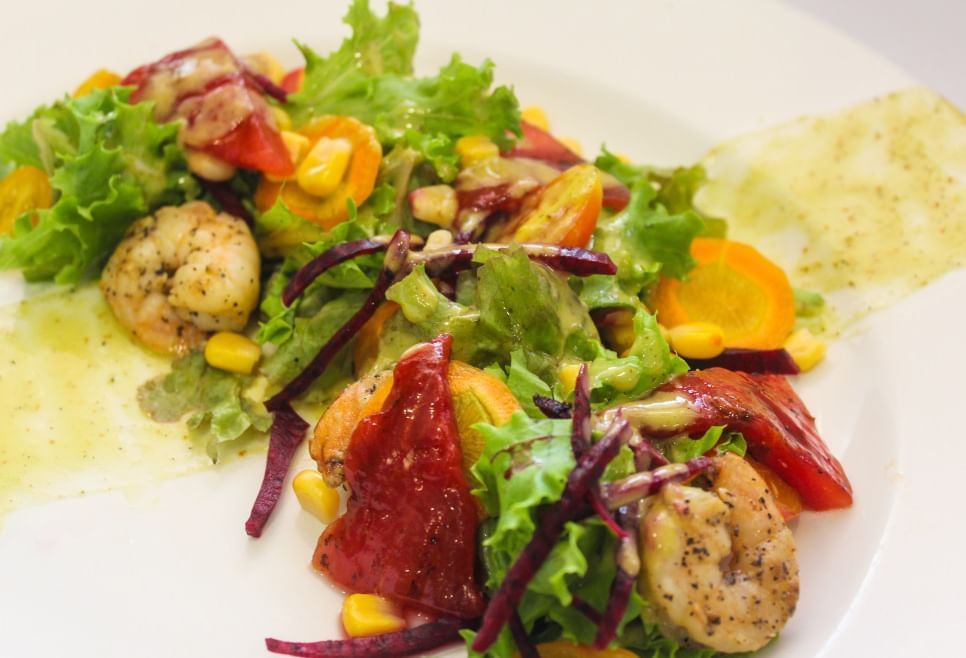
70,424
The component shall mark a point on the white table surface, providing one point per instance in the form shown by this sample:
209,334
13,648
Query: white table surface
926,38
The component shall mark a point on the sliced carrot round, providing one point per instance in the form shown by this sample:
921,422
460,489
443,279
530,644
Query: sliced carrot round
735,287
357,183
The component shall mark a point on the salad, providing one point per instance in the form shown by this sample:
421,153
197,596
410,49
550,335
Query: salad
552,392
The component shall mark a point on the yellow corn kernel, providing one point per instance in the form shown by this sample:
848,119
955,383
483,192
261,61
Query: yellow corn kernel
296,145
267,64
324,166
806,350
99,79
572,144
567,375
476,148
697,340
535,116
282,120
233,352
369,614
315,496
436,204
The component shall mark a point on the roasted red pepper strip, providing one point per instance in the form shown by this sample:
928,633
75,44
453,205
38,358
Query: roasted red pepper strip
778,428
540,145
409,532
221,104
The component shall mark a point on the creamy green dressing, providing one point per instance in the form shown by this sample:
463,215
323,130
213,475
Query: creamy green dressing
69,417
865,205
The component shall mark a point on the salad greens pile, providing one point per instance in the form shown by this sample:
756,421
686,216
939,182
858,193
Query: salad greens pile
110,163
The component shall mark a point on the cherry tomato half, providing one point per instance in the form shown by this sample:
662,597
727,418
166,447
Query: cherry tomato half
566,210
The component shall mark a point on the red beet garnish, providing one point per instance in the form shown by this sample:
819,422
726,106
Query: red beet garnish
266,86
580,430
776,362
288,430
774,421
388,645
409,531
395,260
573,260
495,197
586,474
628,566
325,261
552,408
641,485
227,199
521,639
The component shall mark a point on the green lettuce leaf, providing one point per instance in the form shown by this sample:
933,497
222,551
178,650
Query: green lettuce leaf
645,239
213,397
683,448
369,77
109,164
308,335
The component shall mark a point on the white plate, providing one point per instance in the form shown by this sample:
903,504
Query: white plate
170,571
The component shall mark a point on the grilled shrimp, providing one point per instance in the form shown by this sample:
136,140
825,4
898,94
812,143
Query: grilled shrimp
181,273
719,566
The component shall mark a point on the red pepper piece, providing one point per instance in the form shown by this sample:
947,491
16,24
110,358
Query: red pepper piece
778,428
409,532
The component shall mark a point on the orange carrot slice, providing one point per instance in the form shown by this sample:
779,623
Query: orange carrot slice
735,287
357,184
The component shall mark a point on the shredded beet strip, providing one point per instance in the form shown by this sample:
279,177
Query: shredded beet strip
574,260
580,433
227,199
600,509
521,639
640,485
776,362
266,86
288,430
402,643
326,261
628,567
552,408
645,454
393,263
584,608
586,474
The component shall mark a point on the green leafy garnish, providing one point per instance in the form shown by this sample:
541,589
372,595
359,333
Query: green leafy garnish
213,397
109,164
370,77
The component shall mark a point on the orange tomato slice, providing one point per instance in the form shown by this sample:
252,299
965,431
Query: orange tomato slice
357,184
566,211
734,287
367,340
99,79
25,188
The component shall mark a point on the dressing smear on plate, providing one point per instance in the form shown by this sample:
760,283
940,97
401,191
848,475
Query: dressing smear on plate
69,377
865,205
